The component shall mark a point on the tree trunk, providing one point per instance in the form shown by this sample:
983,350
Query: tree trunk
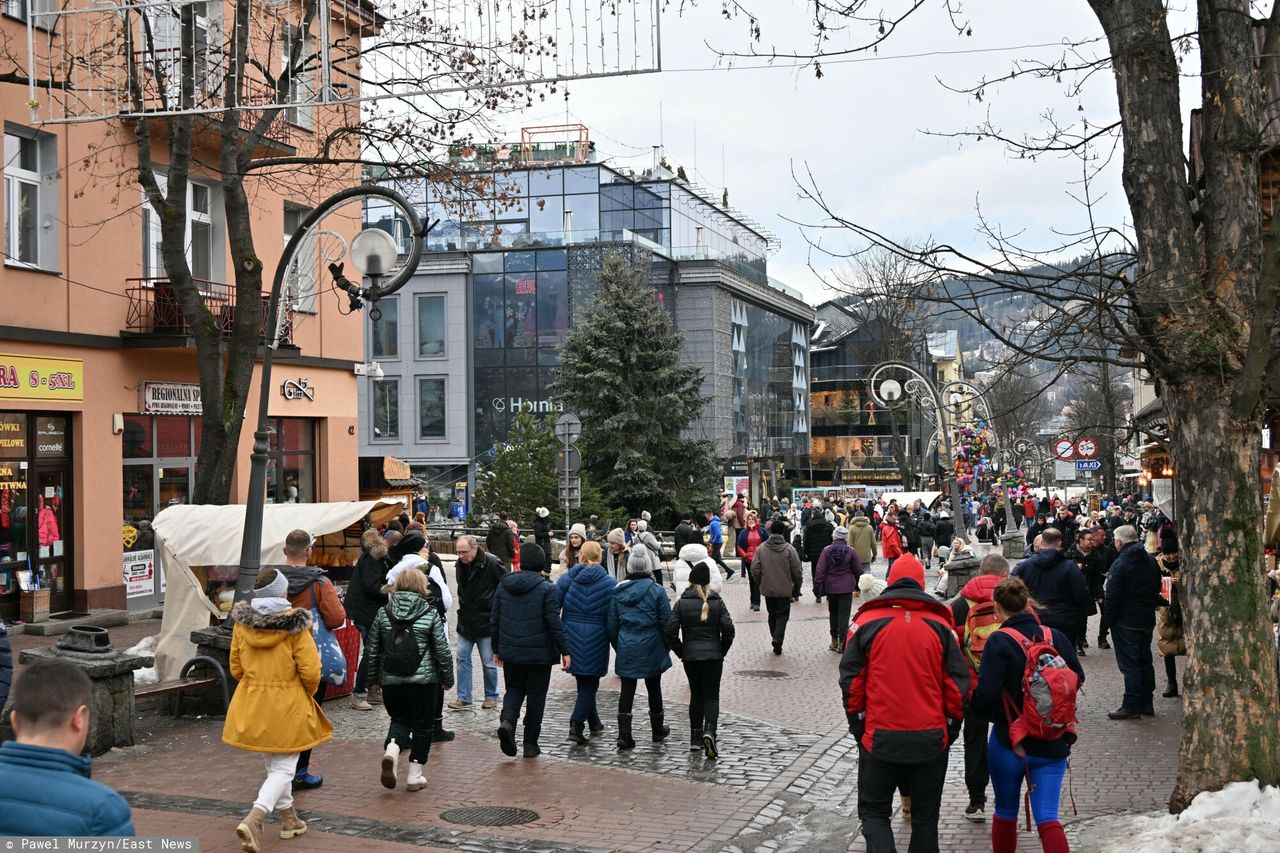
1231,710
899,451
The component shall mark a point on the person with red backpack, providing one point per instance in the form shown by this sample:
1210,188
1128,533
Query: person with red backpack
1027,684
904,681
976,620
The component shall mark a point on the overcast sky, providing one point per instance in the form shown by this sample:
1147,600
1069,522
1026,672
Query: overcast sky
862,128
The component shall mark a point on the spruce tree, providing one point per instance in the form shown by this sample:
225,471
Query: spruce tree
621,373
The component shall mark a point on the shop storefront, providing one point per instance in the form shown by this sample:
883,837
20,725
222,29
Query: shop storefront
35,503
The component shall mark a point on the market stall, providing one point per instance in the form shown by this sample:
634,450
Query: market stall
199,547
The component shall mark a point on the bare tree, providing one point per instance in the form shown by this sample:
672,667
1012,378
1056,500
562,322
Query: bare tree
1018,404
1198,311
885,288
1098,406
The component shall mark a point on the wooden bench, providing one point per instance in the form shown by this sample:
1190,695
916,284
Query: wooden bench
185,681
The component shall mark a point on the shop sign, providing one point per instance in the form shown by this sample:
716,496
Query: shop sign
139,573
298,389
51,438
37,379
169,398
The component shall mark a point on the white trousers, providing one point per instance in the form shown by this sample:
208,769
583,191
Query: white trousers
277,791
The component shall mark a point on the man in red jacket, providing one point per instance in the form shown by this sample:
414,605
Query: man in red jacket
904,681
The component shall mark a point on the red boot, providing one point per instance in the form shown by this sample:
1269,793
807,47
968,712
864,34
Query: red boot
1052,838
1004,834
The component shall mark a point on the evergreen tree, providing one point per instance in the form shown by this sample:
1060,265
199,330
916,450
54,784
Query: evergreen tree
621,373
523,477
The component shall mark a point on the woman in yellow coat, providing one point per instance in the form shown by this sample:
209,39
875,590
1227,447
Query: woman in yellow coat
274,659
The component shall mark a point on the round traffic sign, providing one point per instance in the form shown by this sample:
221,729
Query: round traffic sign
568,460
1063,448
568,428
1087,447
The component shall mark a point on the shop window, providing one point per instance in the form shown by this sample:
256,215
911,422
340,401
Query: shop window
431,409
486,295
30,198
386,329
522,298
386,409
431,327
291,469
553,308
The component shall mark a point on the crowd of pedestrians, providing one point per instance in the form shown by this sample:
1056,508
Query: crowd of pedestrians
997,665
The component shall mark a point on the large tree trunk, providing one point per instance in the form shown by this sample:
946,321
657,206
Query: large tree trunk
1231,710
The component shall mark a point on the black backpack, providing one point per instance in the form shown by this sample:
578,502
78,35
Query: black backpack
401,655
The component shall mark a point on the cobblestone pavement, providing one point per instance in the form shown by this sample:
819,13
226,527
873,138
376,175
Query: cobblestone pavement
785,781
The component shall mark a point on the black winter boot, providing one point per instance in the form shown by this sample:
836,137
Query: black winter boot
1172,690
695,740
710,748
660,731
507,733
625,740
576,732
531,748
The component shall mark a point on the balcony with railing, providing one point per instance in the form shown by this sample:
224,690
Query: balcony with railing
153,309
160,77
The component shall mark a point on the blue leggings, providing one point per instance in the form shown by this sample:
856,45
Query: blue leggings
1008,772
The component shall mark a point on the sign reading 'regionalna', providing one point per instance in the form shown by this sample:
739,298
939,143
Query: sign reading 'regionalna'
169,398
33,378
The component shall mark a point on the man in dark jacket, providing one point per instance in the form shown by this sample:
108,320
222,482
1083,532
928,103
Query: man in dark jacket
777,572
817,536
944,531
478,575
1132,596
528,639
542,530
686,533
45,787
904,681
1058,585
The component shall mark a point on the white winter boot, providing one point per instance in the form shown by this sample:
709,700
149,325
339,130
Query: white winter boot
390,760
416,781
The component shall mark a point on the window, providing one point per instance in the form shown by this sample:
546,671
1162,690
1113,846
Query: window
42,9
30,189
431,331
300,284
291,469
204,233
386,409
431,408
302,81
386,329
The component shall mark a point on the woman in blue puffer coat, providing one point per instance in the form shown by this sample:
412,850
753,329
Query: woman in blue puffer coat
585,592
638,615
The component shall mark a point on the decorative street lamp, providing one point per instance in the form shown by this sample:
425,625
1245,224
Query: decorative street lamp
374,253
957,394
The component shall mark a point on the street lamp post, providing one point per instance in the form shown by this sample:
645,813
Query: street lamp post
374,252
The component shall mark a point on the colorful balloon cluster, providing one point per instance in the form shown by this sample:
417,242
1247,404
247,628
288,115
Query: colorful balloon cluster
971,453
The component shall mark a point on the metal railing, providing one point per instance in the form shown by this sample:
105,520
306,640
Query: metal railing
153,308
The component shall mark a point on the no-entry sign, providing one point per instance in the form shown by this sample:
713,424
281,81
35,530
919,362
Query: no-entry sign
1087,447
1064,448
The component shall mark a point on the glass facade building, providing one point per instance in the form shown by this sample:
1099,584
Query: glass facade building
534,241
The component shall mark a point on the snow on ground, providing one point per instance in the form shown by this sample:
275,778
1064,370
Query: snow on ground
1241,818
145,648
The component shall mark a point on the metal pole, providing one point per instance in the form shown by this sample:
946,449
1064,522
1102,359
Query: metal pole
251,544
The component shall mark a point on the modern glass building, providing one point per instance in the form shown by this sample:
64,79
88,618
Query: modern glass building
511,266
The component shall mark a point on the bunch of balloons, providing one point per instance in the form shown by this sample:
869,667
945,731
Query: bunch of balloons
971,459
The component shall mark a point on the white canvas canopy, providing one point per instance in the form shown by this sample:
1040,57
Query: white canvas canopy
905,499
196,535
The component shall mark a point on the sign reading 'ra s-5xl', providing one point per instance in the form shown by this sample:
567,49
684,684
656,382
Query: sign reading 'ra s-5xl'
34,378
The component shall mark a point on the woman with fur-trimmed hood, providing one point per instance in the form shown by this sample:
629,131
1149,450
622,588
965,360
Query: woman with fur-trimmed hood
275,661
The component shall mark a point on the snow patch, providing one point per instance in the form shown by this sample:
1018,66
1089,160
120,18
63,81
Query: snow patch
145,648
1241,818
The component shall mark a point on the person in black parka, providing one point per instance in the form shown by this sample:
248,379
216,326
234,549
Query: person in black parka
541,532
817,536
528,639
700,632
1058,585
365,598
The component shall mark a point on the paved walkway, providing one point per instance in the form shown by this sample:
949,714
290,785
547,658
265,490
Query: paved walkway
786,779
